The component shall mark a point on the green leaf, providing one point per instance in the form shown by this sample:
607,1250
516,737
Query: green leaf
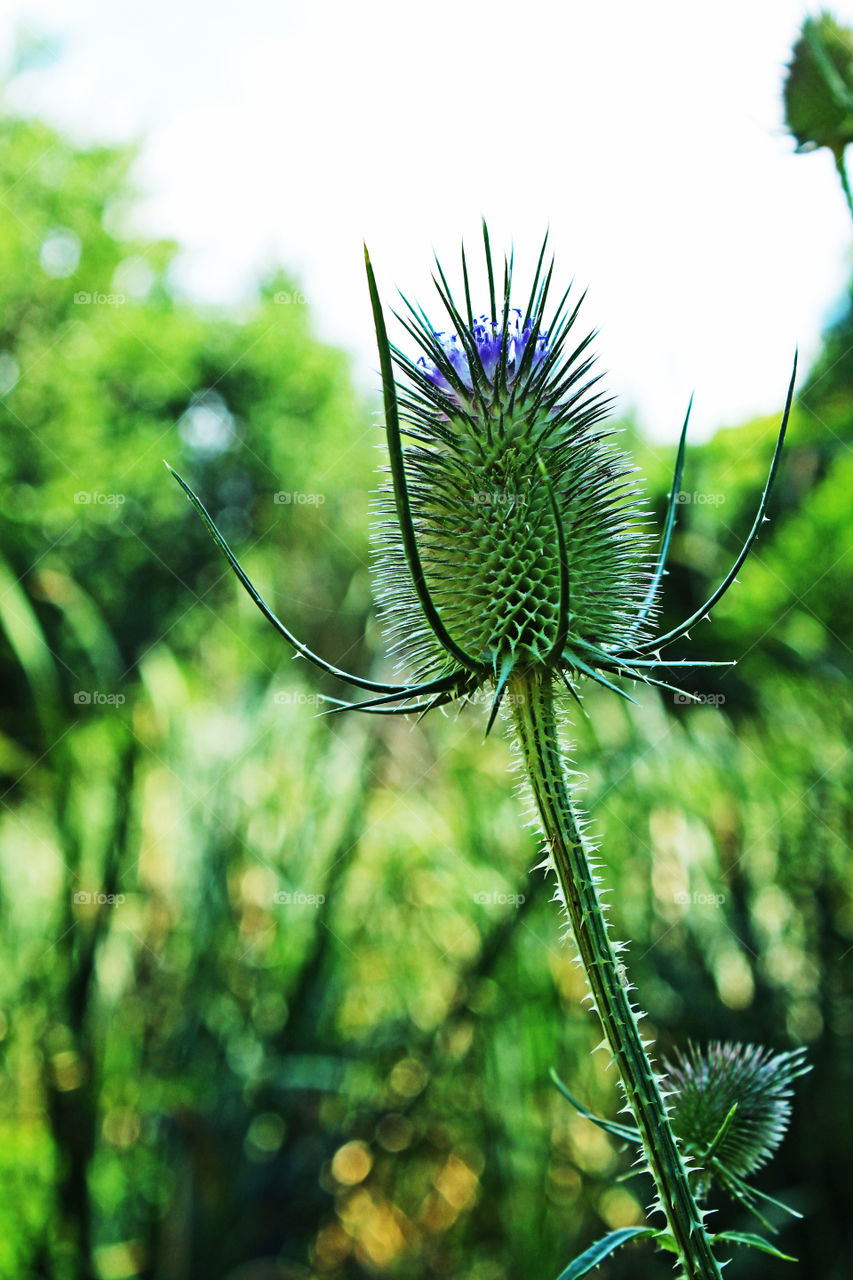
753,1242
596,1253
26,639
623,1131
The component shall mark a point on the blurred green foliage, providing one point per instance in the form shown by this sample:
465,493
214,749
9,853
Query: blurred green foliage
818,99
818,92
279,995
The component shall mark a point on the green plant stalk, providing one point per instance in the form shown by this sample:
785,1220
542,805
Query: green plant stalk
841,170
531,699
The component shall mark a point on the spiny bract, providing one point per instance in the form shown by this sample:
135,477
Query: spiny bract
734,1101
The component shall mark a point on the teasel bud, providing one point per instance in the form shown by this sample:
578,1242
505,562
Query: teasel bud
819,87
730,1108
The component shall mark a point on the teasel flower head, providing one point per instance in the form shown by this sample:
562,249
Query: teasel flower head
512,485
731,1107
819,86
511,535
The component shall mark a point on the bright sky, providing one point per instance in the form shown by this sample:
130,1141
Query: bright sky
648,136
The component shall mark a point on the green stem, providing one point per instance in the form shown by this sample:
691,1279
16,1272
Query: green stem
841,169
536,727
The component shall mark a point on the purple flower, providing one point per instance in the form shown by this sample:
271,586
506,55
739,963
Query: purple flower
487,338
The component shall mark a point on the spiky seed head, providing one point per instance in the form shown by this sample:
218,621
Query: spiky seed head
708,1082
504,437
819,86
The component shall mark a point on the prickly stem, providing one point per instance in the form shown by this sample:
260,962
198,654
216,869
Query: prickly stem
535,725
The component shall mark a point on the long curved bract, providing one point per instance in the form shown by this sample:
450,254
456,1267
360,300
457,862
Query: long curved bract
401,493
564,598
373,686
649,646
669,522
452,684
